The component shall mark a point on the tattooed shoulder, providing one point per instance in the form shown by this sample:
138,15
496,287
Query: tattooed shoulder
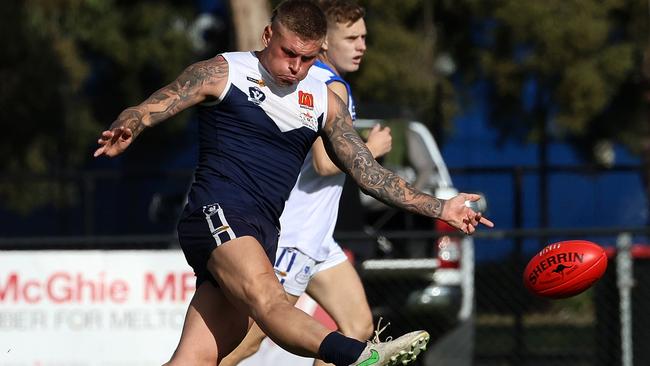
214,69
208,75
216,75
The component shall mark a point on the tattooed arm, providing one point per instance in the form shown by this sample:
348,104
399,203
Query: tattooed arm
379,140
198,82
353,157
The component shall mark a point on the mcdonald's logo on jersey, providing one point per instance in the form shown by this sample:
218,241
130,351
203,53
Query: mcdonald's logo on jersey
305,100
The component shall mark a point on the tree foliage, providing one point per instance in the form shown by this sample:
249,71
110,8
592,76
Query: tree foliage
68,68
398,71
578,63
583,58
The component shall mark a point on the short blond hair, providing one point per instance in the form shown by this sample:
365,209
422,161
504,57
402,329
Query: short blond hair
342,11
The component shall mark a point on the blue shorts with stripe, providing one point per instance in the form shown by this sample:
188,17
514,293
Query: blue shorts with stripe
205,229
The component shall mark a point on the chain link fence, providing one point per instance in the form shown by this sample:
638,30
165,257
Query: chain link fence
503,324
478,313
607,325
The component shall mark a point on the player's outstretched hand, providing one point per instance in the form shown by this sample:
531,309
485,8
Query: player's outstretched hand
456,212
114,141
380,141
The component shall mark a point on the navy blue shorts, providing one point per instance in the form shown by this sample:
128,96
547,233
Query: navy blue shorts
205,229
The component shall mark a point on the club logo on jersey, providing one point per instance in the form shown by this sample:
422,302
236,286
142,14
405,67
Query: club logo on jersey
305,100
304,275
259,82
309,120
255,95
211,209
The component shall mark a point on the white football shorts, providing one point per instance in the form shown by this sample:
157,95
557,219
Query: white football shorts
295,269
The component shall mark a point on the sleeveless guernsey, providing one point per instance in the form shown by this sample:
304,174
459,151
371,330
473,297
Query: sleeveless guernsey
254,139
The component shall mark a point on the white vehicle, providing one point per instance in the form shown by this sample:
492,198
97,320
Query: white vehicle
431,285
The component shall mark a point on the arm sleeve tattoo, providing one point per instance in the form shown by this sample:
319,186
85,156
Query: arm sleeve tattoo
353,157
197,82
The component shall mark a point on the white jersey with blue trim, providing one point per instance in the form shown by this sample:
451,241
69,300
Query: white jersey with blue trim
310,214
254,139
322,71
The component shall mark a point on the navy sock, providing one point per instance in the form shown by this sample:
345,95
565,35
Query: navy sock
340,350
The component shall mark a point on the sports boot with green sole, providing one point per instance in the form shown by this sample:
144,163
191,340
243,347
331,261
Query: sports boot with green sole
400,351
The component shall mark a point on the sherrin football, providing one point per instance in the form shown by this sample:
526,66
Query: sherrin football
565,268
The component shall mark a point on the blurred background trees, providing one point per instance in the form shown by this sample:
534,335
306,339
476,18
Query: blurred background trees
249,19
68,68
575,70
581,61
575,62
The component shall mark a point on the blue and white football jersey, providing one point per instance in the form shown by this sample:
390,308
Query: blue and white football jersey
254,138
310,214
322,71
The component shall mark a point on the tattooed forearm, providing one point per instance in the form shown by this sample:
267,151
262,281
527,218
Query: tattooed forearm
199,81
354,158
130,118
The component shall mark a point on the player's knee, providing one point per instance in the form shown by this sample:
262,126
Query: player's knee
263,306
264,299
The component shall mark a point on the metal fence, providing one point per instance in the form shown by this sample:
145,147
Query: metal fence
606,325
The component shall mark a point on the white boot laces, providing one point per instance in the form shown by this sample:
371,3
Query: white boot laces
378,331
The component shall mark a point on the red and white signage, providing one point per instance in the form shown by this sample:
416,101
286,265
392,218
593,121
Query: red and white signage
101,308
92,307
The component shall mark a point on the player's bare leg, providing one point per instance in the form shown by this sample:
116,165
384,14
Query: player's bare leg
251,343
245,273
212,325
340,292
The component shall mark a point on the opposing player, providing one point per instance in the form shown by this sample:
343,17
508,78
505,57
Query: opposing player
259,115
308,257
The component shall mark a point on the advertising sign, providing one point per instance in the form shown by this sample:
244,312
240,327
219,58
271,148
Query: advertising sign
103,308
83,308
